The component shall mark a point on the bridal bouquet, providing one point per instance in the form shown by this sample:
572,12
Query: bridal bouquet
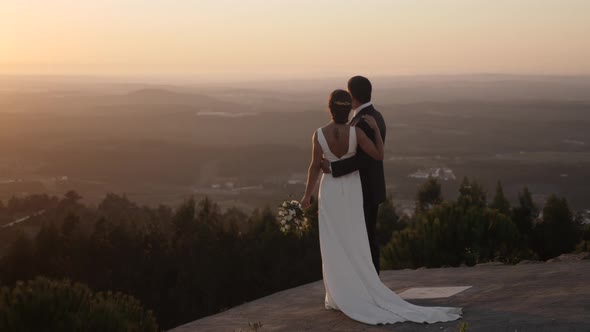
292,218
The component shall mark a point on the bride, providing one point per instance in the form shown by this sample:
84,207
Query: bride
351,281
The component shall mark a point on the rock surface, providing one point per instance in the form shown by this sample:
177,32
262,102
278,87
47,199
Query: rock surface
570,257
529,297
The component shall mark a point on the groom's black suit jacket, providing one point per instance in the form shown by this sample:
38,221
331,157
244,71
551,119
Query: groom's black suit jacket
371,170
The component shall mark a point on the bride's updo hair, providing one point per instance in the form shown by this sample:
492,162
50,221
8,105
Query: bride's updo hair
340,104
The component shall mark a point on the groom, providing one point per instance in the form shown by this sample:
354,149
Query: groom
371,170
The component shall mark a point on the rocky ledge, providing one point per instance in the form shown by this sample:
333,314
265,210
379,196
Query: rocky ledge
526,297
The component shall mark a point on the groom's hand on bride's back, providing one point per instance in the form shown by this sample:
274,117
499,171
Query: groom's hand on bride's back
326,166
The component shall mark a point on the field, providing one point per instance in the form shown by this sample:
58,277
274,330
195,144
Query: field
248,145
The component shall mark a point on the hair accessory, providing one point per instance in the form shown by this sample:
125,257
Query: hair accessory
342,103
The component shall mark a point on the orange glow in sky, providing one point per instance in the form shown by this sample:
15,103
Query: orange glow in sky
304,37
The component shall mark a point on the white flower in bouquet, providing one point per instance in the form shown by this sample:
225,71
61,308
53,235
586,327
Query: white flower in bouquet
292,218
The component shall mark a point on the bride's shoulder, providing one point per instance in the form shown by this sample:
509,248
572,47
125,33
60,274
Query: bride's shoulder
323,129
327,126
317,133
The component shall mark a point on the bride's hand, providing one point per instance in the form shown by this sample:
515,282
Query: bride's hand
305,202
370,121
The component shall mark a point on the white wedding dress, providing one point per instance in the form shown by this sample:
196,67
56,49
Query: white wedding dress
352,283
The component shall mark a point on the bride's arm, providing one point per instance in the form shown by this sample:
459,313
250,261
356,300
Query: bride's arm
313,172
374,150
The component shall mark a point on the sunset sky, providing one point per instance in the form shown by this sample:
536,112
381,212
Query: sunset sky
297,38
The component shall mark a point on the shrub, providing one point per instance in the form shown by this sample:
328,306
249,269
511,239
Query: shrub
451,234
583,246
47,305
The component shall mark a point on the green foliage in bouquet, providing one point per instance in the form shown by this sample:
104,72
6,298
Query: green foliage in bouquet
47,305
292,218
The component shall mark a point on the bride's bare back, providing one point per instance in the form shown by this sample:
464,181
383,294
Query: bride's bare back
338,141
337,136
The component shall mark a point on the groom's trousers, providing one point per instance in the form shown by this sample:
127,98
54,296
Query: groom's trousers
371,222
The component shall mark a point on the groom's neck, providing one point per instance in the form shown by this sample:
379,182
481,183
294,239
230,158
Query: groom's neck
355,104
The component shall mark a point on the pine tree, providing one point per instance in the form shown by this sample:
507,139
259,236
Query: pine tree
72,197
557,233
184,219
471,193
69,224
524,214
526,200
18,263
500,202
429,194
208,212
387,222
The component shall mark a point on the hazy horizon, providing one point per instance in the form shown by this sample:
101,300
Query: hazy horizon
179,81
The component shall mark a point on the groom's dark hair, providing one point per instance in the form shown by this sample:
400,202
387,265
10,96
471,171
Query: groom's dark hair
360,88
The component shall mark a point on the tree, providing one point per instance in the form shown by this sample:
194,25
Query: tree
69,224
184,263
18,264
526,201
557,233
429,194
388,221
524,214
452,234
500,202
471,193
48,250
116,208
235,219
209,212
3,213
184,218
72,197
14,204
69,204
